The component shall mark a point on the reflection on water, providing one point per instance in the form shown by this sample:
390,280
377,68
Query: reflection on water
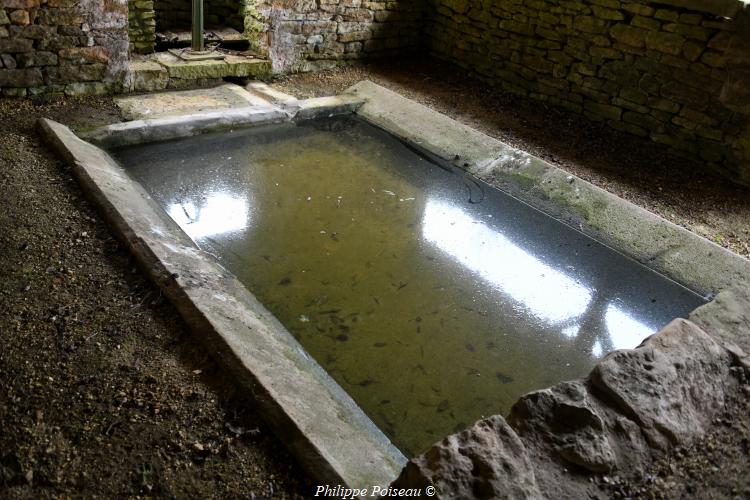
523,277
216,214
432,299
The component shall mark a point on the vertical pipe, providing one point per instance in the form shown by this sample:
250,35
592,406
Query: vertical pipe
197,25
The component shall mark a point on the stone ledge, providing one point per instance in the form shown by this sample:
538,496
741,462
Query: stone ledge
321,424
672,250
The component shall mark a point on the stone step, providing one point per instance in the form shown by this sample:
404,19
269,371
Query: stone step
166,71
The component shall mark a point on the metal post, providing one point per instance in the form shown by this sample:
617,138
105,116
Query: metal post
197,26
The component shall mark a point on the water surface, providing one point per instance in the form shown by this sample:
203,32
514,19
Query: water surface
432,298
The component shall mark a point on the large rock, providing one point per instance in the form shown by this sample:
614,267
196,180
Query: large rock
672,385
569,420
634,405
488,460
727,319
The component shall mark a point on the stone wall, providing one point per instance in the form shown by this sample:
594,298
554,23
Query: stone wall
141,26
302,35
62,46
653,69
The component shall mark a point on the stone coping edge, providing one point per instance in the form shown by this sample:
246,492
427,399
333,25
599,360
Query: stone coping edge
318,421
675,252
187,125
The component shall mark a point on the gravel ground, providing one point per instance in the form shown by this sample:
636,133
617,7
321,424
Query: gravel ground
104,393
102,390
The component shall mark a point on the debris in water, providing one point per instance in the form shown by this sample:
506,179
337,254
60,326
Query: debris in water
505,379
470,348
285,281
304,318
380,344
389,193
342,337
443,405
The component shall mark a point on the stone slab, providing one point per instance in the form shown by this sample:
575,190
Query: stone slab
172,127
319,422
225,96
235,66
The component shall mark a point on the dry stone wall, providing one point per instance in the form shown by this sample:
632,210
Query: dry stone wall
62,46
303,35
141,26
653,69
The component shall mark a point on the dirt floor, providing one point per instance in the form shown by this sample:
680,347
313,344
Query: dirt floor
102,390
104,393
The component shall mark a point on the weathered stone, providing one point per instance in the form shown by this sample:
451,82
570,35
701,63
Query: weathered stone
629,35
14,92
604,110
655,384
590,24
38,58
569,421
488,460
8,61
15,45
19,4
82,73
646,23
727,319
3,17
20,77
664,42
20,17
84,55
87,88
608,14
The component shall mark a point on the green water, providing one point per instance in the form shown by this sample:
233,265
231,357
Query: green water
431,299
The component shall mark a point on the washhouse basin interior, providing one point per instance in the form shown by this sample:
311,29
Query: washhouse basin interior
431,297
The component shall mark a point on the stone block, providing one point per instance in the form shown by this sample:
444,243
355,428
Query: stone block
238,66
82,73
668,43
646,23
8,61
14,92
590,24
606,111
19,4
38,58
15,45
20,17
3,18
629,35
87,88
20,77
608,14
85,55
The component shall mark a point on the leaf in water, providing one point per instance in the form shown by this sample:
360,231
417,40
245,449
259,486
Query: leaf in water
380,344
503,378
342,337
366,382
285,281
470,348
443,405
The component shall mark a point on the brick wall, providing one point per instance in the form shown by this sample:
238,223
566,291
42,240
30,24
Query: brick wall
62,46
647,68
